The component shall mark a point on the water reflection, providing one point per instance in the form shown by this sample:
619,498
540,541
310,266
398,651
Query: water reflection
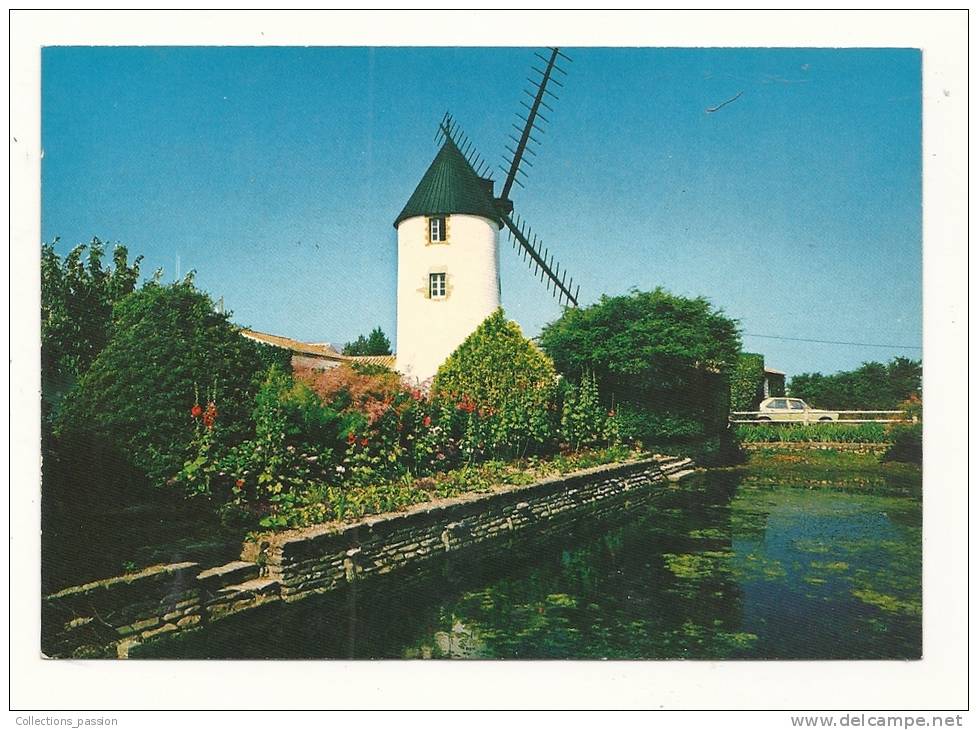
717,568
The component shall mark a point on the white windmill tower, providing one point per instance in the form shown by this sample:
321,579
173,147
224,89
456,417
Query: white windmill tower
447,242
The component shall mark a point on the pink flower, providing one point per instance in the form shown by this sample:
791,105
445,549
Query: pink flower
426,421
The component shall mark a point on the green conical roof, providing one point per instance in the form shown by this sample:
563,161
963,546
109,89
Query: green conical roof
450,186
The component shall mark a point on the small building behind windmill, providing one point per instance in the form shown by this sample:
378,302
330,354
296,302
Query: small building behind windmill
314,356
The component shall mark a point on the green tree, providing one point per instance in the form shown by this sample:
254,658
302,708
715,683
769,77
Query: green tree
873,385
77,297
506,378
376,343
643,337
168,351
665,358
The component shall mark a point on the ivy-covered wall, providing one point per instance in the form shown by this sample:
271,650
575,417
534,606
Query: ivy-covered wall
746,381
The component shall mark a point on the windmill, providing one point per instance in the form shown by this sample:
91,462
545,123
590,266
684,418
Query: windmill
448,266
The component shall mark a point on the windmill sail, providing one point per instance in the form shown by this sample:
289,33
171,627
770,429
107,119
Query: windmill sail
540,260
532,119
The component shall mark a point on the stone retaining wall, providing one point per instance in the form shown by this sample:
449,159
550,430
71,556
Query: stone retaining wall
106,618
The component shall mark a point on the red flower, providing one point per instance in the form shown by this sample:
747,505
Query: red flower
240,483
210,415
364,441
426,421
196,411
416,394
351,439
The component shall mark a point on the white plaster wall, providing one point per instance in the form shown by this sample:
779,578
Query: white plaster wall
428,330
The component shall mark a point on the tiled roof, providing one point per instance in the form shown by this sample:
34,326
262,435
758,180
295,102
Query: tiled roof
450,186
316,349
387,361
288,343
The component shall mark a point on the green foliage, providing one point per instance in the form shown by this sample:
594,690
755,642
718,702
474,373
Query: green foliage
290,454
77,296
583,418
746,378
855,433
351,501
376,343
651,427
508,382
662,357
907,444
643,337
167,344
872,386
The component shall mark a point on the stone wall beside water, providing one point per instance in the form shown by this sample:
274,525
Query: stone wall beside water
107,617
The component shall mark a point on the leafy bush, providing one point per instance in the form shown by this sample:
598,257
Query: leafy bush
508,382
642,339
353,387
662,357
650,427
167,342
907,444
582,418
746,377
907,438
292,449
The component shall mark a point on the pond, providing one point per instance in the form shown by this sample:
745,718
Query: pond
724,566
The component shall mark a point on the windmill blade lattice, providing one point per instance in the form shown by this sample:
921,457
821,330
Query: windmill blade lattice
538,258
449,129
533,118
541,261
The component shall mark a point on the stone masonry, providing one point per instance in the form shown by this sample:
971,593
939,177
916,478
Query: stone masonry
107,617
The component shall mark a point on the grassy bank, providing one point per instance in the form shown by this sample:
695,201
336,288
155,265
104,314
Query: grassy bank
831,469
852,433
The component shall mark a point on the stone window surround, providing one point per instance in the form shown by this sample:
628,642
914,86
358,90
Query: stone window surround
449,286
446,235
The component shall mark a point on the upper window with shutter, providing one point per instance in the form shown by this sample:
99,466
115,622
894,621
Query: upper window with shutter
437,230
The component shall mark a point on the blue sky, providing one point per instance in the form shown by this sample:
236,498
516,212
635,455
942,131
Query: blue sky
276,173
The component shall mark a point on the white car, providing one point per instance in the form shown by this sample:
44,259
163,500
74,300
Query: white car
792,409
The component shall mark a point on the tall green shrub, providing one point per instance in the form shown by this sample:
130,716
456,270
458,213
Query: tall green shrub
663,357
745,380
584,421
505,380
168,348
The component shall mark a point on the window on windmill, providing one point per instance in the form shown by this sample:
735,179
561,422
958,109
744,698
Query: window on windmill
436,286
437,230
